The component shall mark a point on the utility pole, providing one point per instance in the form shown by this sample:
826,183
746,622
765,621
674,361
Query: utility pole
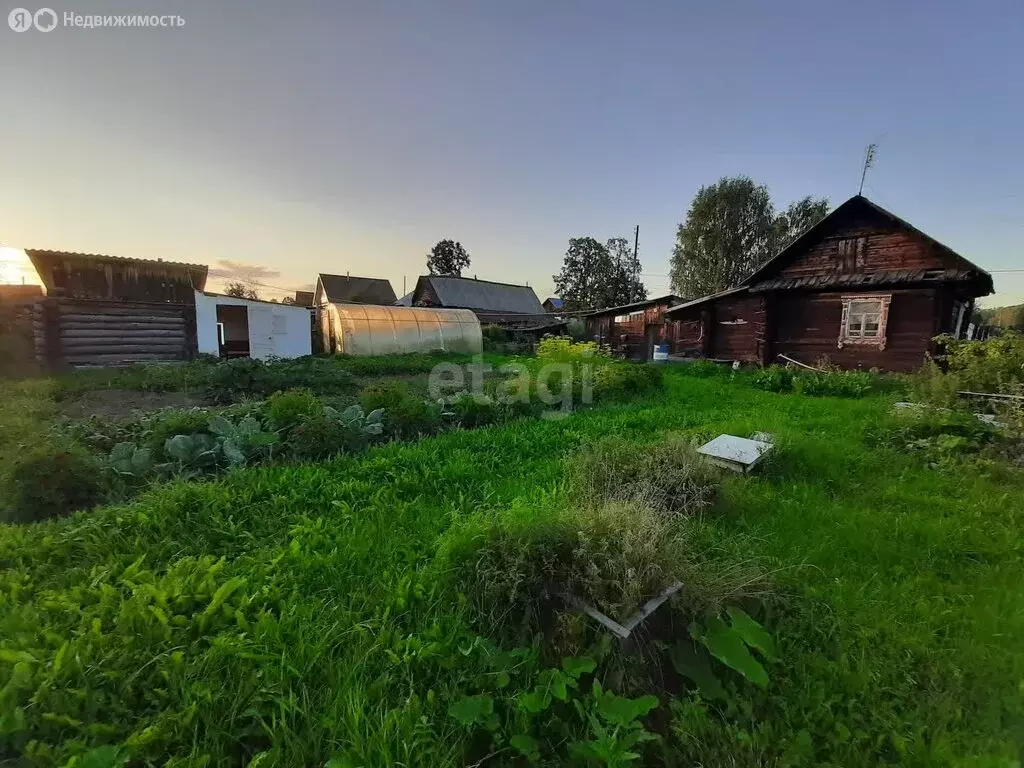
636,250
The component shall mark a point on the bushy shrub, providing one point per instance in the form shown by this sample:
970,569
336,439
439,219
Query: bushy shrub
319,437
562,349
993,365
286,409
612,556
52,481
332,432
231,380
164,425
668,475
834,383
516,567
624,381
772,379
406,415
471,410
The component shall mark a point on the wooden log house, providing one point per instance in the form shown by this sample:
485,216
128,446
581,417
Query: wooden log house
862,287
632,330
107,310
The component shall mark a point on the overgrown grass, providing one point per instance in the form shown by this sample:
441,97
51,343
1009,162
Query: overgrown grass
298,614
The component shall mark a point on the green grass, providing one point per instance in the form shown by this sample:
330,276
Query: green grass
293,614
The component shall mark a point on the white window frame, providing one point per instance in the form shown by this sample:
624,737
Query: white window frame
853,327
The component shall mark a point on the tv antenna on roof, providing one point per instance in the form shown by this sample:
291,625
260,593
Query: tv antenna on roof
869,160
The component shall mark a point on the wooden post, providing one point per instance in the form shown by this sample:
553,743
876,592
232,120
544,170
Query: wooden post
51,334
707,329
767,330
191,350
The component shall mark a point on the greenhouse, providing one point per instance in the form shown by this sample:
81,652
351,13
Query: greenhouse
371,329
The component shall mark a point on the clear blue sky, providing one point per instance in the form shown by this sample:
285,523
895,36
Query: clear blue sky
350,136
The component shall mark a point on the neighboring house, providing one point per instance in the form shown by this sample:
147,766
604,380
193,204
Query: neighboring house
405,301
344,289
493,303
305,298
553,304
230,327
631,330
107,310
862,287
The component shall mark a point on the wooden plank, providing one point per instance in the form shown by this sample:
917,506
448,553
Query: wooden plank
114,359
72,307
91,346
121,333
80,317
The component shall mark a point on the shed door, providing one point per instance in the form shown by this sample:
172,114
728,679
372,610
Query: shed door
261,338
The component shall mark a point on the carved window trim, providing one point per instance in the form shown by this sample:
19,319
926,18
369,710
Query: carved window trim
856,317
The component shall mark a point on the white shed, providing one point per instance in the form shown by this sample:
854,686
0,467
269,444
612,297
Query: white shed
372,329
230,327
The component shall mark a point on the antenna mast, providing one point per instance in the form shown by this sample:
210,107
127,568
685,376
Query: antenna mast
869,160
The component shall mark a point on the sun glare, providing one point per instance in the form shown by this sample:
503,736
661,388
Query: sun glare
15,268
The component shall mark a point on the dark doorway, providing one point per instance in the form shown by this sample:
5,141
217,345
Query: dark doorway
233,329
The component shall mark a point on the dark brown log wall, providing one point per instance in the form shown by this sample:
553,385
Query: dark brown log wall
85,333
807,329
738,328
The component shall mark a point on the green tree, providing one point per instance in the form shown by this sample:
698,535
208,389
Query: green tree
241,290
447,257
730,230
586,274
801,215
627,285
598,275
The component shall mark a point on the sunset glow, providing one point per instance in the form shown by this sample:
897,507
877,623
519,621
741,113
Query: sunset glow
15,268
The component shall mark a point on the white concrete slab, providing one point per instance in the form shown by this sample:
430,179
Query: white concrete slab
736,453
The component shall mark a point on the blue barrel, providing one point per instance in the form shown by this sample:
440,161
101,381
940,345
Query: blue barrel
660,353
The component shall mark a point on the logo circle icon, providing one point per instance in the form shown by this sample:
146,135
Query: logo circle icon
45,19
20,20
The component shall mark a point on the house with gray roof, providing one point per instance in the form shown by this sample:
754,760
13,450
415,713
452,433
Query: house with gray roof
492,302
345,289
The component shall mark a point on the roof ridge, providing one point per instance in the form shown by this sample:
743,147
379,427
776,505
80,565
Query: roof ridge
478,280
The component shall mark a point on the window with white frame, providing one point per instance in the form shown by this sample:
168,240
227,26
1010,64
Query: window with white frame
864,320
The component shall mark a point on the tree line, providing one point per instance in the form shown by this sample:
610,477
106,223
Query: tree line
730,230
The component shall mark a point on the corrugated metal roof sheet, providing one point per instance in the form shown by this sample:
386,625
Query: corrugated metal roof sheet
668,297
483,294
705,299
357,290
866,279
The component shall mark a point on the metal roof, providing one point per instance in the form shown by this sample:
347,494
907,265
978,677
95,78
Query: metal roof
704,299
357,290
471,293
866,279
636,305
45,261
76,255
